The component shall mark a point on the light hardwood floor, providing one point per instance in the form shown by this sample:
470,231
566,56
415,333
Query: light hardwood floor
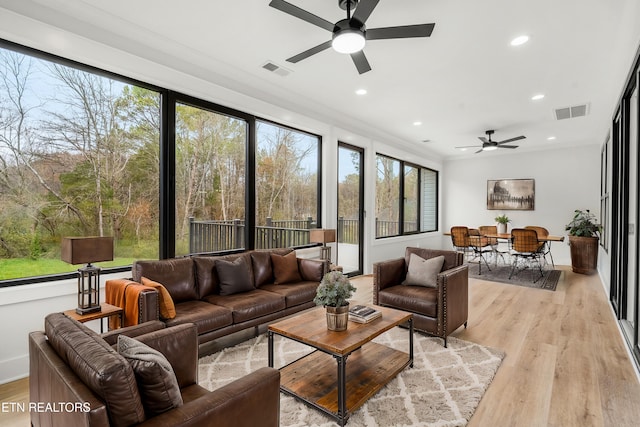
565,365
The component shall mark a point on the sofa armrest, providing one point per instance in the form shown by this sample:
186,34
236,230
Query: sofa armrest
179,344
253,400
313,269
111,337
386,274
454,286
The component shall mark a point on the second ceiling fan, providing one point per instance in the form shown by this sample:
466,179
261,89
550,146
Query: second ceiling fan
489,145
351,34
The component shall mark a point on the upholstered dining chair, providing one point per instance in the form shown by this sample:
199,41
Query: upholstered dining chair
546,246
525,248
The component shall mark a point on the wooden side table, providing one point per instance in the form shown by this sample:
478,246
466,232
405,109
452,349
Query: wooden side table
106,311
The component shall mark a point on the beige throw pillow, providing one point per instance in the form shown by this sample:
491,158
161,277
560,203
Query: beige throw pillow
424,272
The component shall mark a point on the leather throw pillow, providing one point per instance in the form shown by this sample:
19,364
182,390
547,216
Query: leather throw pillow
285,268
233,276
424,272
157,383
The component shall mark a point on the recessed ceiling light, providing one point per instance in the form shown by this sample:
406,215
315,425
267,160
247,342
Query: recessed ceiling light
417,123
361,92
551,138
519,40
537,97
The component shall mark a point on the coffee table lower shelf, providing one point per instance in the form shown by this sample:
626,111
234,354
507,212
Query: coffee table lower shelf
314,378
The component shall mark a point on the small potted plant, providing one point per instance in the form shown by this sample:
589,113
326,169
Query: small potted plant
584,232
332,293
502,221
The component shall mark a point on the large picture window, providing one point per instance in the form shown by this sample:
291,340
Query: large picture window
286,185
414,198
387,196
84,152
78,157
210,181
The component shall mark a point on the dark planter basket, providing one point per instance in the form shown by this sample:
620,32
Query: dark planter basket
584,254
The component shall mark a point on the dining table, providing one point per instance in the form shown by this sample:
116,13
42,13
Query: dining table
503,236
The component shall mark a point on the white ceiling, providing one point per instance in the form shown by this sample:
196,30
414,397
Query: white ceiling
464,79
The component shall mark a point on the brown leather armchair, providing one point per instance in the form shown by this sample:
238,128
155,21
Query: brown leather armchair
437,311
88,383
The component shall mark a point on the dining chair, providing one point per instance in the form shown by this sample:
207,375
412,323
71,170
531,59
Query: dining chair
480,246
460,240
525,248
543,232
486,230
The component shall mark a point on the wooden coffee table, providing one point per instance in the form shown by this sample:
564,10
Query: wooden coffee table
338,391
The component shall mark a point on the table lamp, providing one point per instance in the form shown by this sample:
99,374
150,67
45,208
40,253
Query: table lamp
324,236
81,250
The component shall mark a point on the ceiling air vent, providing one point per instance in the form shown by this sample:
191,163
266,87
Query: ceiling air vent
281,71
571,112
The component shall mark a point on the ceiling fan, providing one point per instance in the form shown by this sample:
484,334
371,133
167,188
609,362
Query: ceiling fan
489,145
351,34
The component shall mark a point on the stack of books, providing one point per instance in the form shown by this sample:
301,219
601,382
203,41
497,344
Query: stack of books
363,314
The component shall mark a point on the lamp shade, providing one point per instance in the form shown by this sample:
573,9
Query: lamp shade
85,250
322,235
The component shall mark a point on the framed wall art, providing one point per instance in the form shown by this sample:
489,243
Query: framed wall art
511,194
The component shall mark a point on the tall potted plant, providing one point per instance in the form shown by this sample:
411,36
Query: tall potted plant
502,221
333,292
584,232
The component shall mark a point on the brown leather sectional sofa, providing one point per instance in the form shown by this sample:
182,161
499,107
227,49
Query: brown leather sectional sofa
77,379
205,299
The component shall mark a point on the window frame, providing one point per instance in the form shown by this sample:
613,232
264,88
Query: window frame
401,199
167,166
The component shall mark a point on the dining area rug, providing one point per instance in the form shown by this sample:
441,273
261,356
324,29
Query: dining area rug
524,277
443,388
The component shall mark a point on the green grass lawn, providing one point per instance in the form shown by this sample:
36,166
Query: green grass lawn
17,268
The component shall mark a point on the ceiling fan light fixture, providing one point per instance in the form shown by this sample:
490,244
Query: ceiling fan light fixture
348,40
490,148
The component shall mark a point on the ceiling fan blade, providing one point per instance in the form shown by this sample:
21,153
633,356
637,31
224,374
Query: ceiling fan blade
468,146
364,9
507,146
517,138
361,62
483,139
292,10
308,53
479,151
406,31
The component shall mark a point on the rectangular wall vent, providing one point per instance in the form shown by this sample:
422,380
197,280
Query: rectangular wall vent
571,112
277,69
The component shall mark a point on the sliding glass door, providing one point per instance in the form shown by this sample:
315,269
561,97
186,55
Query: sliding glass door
350,209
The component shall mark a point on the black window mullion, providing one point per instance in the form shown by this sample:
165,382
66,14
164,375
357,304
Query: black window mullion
250,188
167,174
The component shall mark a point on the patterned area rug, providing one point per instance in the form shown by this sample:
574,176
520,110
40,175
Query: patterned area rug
442,389
549,280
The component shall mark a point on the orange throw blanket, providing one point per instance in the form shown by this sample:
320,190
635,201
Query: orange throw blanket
124,293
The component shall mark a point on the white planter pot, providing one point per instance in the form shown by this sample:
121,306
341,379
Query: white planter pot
502,228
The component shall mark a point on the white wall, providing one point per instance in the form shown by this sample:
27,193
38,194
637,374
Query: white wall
23,309
565,180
